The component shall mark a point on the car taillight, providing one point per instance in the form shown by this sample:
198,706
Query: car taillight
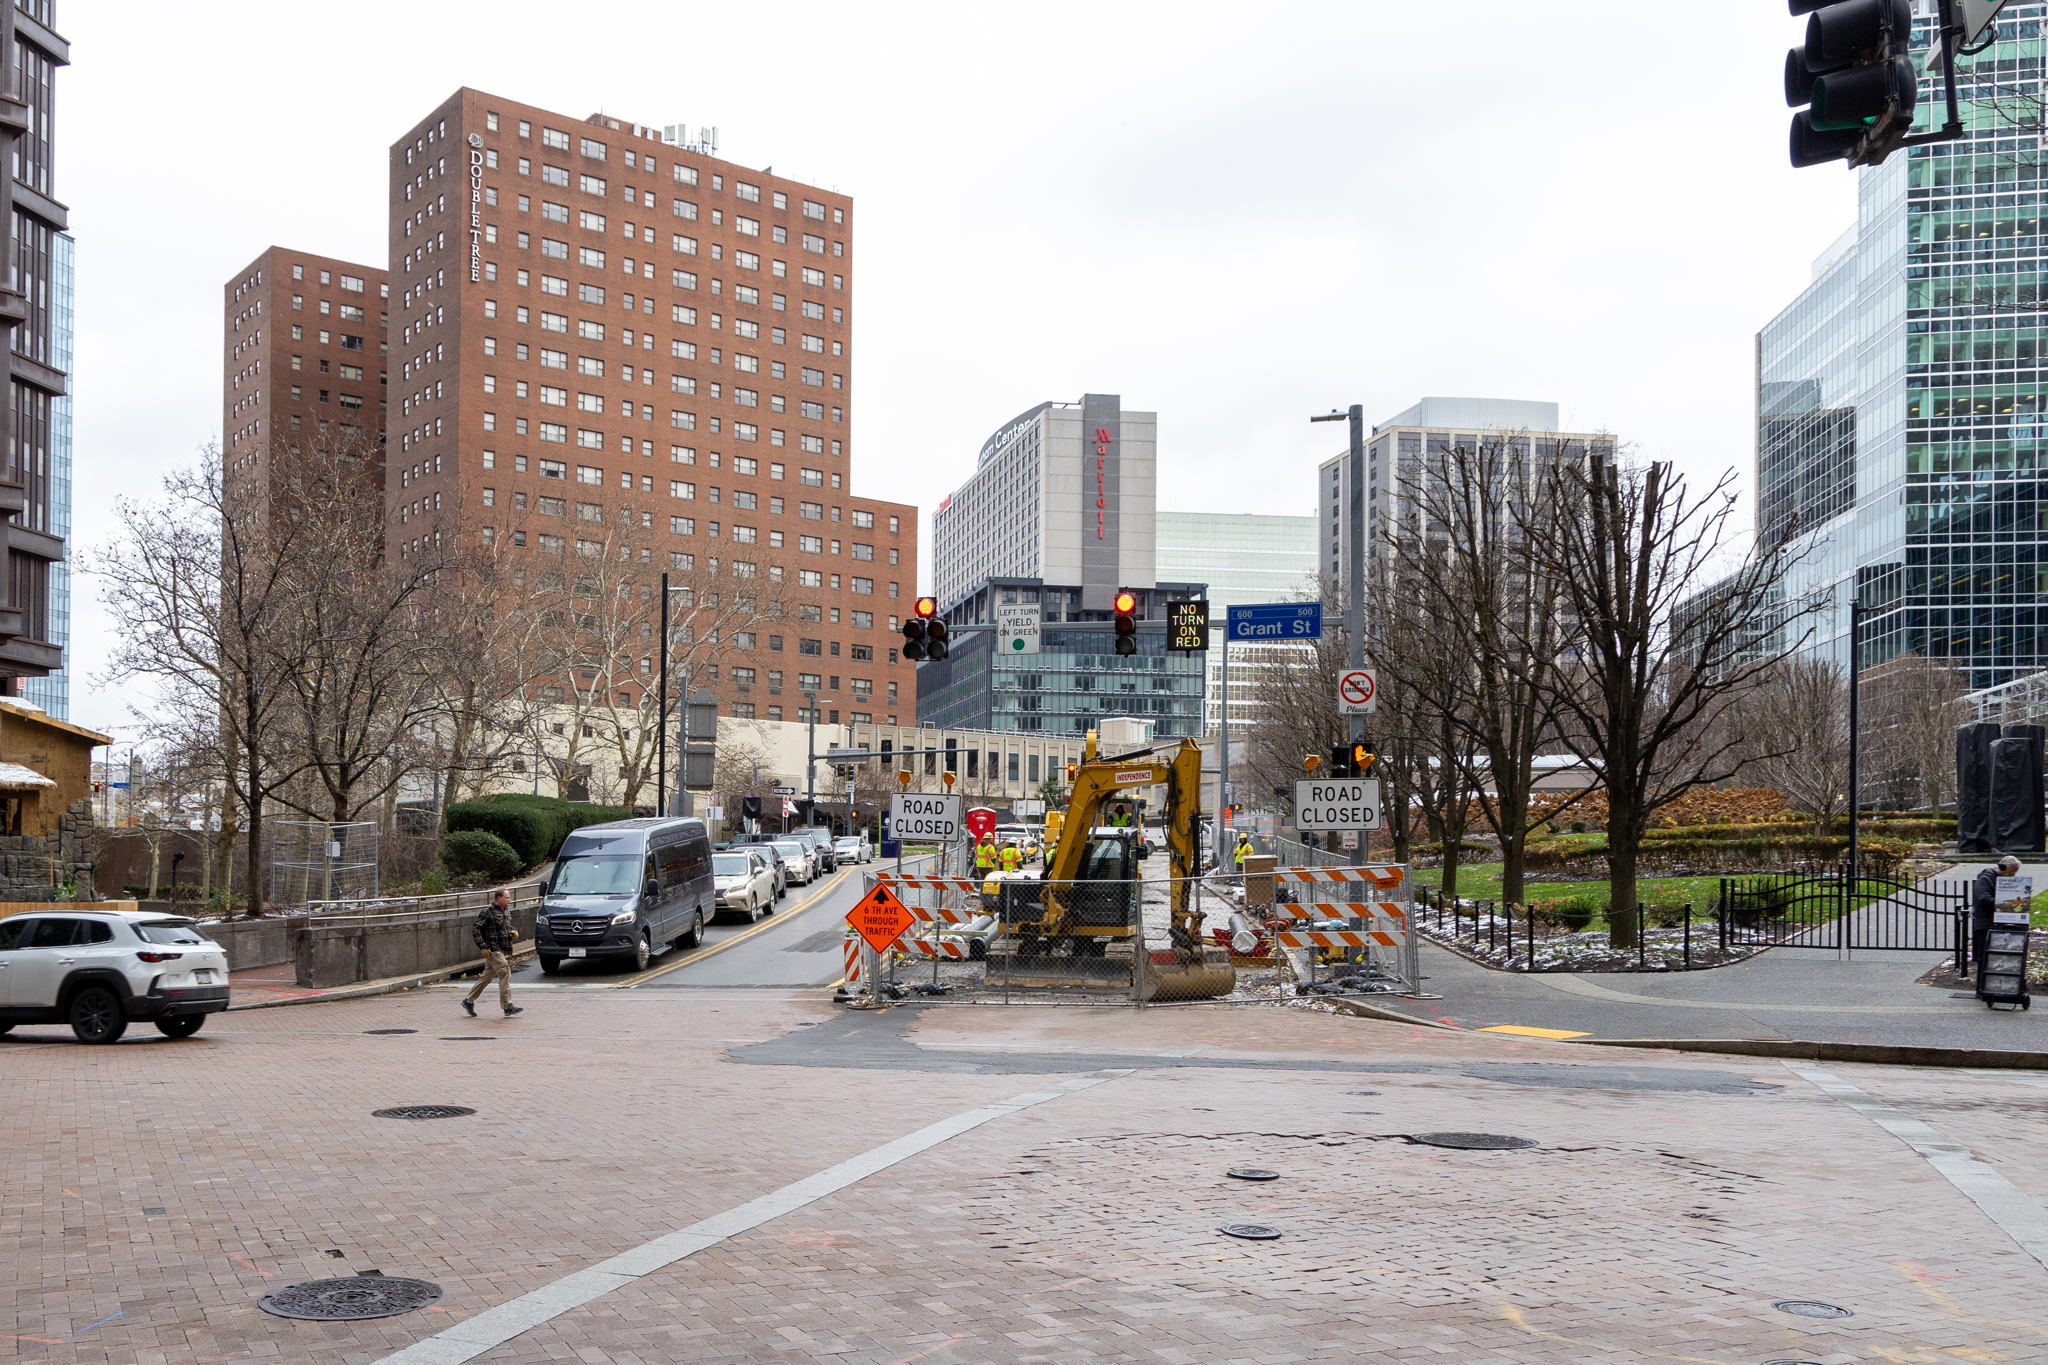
159,957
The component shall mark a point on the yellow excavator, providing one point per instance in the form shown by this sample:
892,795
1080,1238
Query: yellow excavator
1091,893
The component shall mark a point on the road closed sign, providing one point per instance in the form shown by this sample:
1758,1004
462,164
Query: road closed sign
1338,804
917,818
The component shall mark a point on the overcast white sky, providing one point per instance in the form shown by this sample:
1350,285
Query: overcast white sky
1236,215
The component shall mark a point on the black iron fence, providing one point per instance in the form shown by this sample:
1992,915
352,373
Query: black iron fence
1822,907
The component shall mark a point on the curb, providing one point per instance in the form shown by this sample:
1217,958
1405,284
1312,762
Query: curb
366,989
1346,1005
1883,1054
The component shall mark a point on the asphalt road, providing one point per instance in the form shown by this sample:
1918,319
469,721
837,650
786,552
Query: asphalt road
797,946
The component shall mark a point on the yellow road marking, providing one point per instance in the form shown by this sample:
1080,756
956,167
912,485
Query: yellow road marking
699,954
1532,1032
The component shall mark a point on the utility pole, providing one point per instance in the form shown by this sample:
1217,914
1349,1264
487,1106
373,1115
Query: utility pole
1856,610
811,760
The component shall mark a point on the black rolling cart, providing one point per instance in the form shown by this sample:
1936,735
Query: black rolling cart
2002,973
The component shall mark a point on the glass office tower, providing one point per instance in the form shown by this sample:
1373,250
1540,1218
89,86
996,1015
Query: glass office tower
53,691
1900,426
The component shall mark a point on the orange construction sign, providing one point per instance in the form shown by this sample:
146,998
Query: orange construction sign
879,918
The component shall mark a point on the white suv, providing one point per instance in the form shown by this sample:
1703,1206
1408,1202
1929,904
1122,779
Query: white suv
98,969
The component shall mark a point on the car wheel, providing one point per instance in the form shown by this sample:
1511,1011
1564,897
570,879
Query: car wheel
768,905
696,934
643,953
95,1016
180,1025
549,966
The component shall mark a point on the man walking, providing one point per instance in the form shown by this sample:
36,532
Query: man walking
1983,901
493,933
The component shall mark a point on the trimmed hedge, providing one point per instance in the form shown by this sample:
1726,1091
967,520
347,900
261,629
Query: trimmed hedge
1760,849
468,851
534,826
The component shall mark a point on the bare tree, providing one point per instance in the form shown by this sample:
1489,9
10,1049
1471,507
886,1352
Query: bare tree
1655,655
1794,721
1912,706
206,592
1424,743
1483,628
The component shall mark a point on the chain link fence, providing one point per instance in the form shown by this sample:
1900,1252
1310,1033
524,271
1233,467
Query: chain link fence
1123,936
319,860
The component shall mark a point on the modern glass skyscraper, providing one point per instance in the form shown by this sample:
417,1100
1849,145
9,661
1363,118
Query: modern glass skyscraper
53,691
1901,435
1245,559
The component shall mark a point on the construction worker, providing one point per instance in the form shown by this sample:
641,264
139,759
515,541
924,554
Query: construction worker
1244,850
1120,817
984,857
1013,857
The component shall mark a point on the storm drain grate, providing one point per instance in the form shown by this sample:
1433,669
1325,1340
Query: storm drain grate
1251,1173
1251,1232
422,1111
1473,1142
1811,1308
344,1300
374,1032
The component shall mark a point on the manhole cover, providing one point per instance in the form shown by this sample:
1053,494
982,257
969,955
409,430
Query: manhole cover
1251,1232
358,1296
375,1031
1251,1173
1810,1308
1474,1142
422,1111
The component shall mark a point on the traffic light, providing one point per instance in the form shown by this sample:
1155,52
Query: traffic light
1340,761
1126,622
924,632
750,807
1072,769
1856,71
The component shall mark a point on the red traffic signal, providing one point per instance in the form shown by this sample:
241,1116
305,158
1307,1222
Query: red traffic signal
1126,605
924,632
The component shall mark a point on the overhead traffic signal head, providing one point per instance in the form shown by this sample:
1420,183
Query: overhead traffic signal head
924,632
1126,606
1856,72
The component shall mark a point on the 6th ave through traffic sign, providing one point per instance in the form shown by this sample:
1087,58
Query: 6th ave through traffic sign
879,918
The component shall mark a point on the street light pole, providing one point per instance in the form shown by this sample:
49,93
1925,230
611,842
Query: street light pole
1856,611
661,712
811,759
1354,568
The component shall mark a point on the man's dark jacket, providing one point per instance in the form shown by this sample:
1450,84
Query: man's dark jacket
493,930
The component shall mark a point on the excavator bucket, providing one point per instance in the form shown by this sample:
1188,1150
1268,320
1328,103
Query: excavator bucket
1171,974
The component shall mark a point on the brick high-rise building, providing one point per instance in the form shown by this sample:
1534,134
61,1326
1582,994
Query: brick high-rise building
607,346
28,304
305,356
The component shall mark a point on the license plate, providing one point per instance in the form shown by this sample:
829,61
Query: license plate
204,978
579,952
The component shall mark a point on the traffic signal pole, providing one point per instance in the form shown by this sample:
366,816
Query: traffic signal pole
1354,570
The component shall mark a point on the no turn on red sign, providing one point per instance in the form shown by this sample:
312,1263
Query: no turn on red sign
1358,692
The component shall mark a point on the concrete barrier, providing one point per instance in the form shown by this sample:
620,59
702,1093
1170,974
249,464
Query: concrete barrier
340,950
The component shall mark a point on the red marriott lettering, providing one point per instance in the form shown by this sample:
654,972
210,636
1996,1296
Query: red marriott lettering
1102,440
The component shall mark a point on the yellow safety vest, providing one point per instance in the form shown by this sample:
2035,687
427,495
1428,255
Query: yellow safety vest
1012,860
1242,850
984,857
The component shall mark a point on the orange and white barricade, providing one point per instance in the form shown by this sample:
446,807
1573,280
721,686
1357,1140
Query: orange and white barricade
940,902
1369,905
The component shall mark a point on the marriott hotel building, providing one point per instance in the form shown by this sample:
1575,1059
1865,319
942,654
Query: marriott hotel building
1061,511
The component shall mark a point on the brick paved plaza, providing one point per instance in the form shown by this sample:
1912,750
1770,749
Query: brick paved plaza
155,1190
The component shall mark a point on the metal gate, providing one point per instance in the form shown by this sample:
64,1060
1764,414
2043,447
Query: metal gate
1830,909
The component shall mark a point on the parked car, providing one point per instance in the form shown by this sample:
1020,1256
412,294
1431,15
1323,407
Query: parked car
853,848
627,889
100,970
764,845
746,886
766,855
820,840
797,856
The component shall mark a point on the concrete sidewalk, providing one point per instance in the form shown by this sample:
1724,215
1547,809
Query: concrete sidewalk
1867,996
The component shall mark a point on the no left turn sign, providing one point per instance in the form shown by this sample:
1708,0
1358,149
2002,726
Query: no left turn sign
1357,692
